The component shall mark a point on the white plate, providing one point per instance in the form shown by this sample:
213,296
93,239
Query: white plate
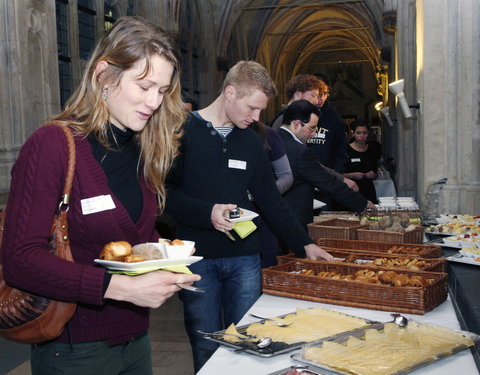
468,254
463,259
454,244
148,264
246,215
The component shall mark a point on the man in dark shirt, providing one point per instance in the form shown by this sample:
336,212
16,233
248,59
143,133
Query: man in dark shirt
220,161
300,121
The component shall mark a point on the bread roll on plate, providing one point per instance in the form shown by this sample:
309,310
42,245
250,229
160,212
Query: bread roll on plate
149,251
116,250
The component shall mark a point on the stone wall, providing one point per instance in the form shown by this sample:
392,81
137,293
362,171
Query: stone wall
448,76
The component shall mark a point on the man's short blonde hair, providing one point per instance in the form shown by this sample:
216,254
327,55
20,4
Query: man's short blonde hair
248,76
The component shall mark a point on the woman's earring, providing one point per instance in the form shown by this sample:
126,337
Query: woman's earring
104,94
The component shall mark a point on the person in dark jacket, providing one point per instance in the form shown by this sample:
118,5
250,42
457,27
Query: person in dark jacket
300,123
220,161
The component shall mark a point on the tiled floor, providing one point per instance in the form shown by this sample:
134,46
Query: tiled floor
171,350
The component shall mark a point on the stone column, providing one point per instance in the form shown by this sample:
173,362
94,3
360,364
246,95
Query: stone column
29,90
406,128
448,74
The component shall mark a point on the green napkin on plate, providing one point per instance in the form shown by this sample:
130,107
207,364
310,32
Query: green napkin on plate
244,228
177,269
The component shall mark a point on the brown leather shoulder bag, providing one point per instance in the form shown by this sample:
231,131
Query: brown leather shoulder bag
26,317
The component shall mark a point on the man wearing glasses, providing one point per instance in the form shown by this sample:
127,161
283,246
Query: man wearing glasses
300,120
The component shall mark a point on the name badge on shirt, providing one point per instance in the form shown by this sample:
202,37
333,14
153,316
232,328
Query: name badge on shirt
321,135
97,204
355,160
237,164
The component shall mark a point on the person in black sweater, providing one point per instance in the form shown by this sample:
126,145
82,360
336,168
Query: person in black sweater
221,160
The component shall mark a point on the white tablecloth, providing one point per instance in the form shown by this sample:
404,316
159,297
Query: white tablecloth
224,361
385,188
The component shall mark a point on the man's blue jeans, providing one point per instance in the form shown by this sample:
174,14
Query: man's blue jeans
232,285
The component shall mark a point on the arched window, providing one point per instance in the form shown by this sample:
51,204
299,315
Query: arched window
63,47
86,27
131,7
189,49
111,14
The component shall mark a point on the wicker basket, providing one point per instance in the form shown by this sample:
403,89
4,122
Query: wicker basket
434,265
424,251
414,236
413,214
334,228
325,215
282,280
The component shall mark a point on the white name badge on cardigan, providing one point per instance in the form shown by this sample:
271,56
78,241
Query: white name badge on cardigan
97,204
237,164
355,160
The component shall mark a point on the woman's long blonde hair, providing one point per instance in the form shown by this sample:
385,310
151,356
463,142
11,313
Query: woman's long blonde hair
131,40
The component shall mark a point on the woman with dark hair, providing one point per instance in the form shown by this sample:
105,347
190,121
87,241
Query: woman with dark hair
362,161
126,119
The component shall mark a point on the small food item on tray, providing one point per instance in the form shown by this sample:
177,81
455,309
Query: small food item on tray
149,251
232,335
409,263
471,252
306,325
389,351
400,222
399,249
455,241
116,251
179,249
454,228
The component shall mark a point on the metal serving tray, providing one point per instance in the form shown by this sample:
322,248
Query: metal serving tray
276,347
360,333
304,370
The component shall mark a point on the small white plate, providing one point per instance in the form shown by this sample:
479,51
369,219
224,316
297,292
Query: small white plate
148,264
449,243
246,215
469,254
463,259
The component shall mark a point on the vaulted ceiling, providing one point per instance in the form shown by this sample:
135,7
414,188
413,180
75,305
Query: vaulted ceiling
325,36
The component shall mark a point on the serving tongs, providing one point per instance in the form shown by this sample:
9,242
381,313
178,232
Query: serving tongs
275,321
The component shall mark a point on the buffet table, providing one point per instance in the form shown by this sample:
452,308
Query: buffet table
224,361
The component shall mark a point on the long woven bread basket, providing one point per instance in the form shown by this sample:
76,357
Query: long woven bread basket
414,236
284,280
418,250
335,228
431,264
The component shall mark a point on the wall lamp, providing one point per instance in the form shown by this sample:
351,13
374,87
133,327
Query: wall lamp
385,111
397,89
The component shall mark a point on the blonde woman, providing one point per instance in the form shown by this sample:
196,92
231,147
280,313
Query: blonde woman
126,118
